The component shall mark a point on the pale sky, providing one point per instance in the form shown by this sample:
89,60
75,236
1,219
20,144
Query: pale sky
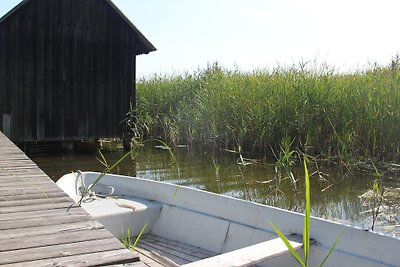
257,34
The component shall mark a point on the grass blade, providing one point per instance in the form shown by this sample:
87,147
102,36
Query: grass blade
331,249
307,214
289,246
103,160
138,237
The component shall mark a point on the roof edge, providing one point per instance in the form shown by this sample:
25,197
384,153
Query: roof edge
9,13
141,37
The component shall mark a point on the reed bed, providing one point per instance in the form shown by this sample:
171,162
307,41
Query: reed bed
351,116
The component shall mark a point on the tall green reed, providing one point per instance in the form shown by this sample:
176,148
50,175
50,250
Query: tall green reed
348,116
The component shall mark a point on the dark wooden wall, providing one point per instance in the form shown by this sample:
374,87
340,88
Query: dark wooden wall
67,70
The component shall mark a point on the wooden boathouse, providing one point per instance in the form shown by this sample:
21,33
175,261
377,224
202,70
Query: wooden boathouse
67,70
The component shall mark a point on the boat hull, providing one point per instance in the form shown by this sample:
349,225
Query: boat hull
222,224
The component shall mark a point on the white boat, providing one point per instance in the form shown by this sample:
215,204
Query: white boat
218,230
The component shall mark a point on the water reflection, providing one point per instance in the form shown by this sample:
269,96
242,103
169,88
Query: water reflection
335,193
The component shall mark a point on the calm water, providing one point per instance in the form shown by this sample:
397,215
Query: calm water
335,191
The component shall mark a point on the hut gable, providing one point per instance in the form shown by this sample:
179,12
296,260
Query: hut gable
67,69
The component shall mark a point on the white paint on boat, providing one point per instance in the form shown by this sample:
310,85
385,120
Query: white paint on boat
249,255
222,224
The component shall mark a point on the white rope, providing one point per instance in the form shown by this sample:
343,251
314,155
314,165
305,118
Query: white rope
89,195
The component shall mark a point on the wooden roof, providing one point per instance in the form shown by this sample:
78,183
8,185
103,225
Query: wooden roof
146,46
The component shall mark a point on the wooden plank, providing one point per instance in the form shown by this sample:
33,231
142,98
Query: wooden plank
194,251
251,255
147,258
16,164
27,191
42,214
31,174
17,178
37,201
50,229
120,256
32,196
14,170
37,207
59,250
52,239
39,188
41,221
22,162
34,172
166,250
132,264
9,158
164,260
14,178
38,185
162,252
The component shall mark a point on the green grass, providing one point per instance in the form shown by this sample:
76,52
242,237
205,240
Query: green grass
351,116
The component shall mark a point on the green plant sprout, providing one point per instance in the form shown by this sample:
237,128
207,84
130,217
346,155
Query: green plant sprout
378,191
306,229
126,238
285,159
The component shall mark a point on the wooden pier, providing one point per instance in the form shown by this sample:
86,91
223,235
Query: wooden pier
41,226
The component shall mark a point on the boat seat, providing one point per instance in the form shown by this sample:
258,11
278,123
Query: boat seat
251,255
120,213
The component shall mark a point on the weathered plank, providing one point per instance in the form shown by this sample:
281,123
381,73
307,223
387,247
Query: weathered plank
37,207
42,214
169,251
50,229
17,191
191,250
156,250
33,195
59,250
164,260
147,258
52,239
172,257
102,258
33,176
132,264
38,221
37,201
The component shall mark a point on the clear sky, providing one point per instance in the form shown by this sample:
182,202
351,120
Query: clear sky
257,34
